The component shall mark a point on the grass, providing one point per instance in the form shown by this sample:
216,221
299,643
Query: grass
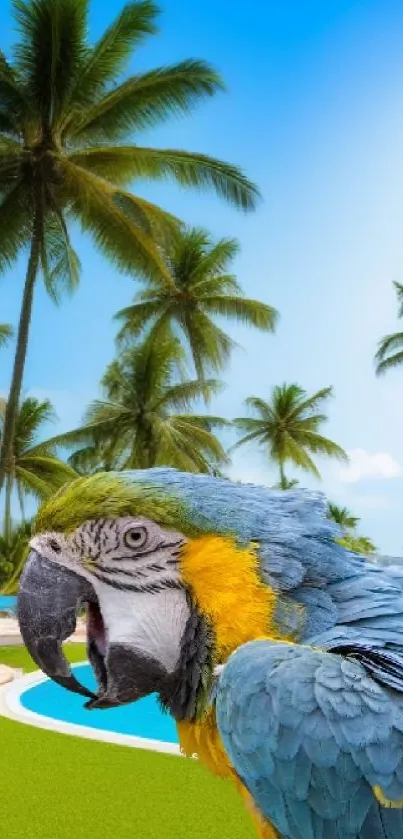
59,787
20,657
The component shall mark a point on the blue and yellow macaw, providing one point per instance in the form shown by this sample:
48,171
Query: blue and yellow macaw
278,653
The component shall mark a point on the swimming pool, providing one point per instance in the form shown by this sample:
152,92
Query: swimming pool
141,719
8,604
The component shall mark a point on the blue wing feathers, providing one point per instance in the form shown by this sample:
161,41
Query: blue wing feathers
330,734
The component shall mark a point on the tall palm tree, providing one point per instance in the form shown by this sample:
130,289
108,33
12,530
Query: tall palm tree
34,470
144,420
287,428
390,348
343,517
66,119
202,288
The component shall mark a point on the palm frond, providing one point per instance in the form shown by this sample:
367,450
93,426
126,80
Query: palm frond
399,295
215,258
254,435
318,444
47,468
50,47
208,421
210,346
60,263
115,233
128,163
251,312
219,284
293,451
180,396
311,403
146,100
15,223
395,360
343,517
6,333
136,318
12,160
155,222
110,55
385,357
13,102
198,437
264,409
33,484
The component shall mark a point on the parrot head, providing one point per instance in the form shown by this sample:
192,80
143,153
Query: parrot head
175,571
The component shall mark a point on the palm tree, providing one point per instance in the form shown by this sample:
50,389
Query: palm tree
66,118
287,427
143,420
35,470
13,553
202,287
343,517
390,348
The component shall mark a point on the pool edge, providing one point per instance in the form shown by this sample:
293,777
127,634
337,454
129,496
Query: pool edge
12,708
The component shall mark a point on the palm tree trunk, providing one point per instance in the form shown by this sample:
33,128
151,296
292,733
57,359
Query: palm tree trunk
21,502
283,478
20,353
7,507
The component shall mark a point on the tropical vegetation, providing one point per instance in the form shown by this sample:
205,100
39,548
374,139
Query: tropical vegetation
202,288
146,418
34,468
286,428
13,553
69,149
390,349
348,524
71,119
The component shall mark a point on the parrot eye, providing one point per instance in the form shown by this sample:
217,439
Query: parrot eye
136,537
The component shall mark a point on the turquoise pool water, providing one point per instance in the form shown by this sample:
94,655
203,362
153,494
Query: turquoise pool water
8,604
141,719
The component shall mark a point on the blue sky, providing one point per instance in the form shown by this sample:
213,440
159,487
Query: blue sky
314,115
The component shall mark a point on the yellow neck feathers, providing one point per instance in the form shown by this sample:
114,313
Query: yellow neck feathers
225,584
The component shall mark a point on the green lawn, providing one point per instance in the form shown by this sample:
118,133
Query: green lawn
79,789
19,657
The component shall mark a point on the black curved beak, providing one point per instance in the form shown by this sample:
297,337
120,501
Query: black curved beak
49,599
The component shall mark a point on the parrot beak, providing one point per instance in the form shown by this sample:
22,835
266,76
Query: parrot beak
50,598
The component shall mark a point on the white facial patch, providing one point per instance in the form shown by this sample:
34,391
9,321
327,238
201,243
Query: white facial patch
152,623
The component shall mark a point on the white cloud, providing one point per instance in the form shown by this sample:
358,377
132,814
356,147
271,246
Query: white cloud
364,465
